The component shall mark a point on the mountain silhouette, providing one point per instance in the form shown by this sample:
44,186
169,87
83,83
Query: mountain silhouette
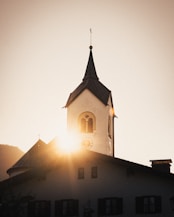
8,156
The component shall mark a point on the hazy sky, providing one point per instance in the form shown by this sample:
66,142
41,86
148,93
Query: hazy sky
43,57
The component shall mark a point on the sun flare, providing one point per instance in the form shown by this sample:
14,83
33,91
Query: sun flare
69,142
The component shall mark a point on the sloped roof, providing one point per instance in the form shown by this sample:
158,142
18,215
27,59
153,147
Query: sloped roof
92,83
131,167
32,158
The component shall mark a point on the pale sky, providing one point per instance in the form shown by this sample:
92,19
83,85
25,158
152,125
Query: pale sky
44,49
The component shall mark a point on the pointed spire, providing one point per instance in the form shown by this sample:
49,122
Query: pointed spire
90,69
92,83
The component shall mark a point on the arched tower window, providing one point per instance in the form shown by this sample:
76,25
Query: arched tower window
83,125
90,125
87,122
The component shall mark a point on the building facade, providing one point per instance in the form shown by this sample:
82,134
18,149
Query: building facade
91,181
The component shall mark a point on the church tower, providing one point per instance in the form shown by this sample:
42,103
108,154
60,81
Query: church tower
90,112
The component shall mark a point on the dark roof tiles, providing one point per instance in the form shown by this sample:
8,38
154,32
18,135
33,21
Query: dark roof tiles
90,69
38,154
127,166
92,83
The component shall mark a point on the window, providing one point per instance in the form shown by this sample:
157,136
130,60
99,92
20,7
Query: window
109,127
87,123
39,208
110,206
81,173
172,203
66,207
94,172
148,204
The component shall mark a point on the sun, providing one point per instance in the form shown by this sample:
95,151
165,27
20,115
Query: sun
68,142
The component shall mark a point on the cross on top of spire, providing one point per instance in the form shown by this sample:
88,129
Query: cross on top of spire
90,39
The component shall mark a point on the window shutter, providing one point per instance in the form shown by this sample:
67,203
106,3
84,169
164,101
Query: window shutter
76,207
101,207
120,205
31,207
139,204
158,204
47,209
58,208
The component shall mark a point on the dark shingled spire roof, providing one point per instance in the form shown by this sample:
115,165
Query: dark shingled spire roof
90,69
92,83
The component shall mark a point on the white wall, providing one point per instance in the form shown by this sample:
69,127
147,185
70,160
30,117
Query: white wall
86,101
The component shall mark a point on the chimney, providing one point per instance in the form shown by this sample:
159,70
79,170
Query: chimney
161,165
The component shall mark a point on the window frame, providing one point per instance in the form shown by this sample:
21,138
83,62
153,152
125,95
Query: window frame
39,208
94,172
66,207
110,206
87,122
81,173
150,204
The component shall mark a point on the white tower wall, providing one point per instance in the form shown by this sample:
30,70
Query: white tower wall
100,139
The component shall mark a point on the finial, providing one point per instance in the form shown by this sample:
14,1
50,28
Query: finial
90,47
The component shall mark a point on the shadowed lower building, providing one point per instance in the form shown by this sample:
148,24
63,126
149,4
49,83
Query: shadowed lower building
89,182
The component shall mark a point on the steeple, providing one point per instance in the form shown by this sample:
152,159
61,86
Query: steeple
91,82
90,69
90,112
